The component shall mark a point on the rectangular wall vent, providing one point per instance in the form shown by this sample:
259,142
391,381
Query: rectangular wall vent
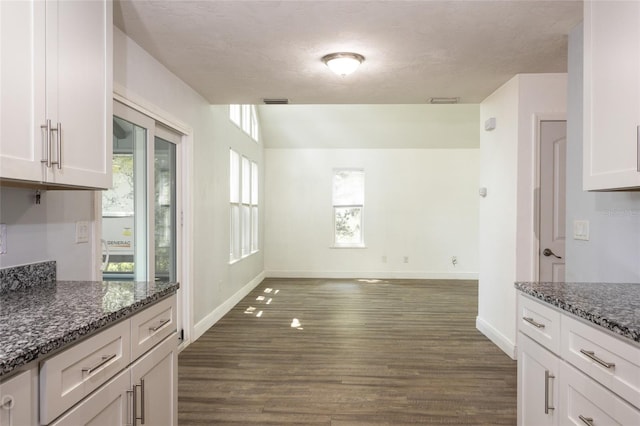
444,100
274,101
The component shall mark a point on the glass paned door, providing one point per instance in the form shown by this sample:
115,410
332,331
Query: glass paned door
124,212
165,210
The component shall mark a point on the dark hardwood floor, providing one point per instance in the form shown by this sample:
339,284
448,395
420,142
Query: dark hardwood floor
361,353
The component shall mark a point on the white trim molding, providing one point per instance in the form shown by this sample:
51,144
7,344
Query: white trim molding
207,322
499,339
372,274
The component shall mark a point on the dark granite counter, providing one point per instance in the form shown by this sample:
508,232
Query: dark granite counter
38,320
616,307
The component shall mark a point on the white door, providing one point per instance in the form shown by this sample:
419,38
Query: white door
553,157
155,377
22,54
537,384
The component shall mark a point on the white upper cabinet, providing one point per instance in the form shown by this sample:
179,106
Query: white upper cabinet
611,95
56,68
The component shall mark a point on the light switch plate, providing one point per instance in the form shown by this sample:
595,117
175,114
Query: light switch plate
82,231
581,230
3,238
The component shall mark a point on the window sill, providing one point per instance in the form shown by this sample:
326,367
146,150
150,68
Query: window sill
234,261
359,246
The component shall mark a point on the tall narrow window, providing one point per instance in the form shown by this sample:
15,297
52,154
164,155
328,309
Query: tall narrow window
254,207
348,206
234,114
243,190
245,117
234,199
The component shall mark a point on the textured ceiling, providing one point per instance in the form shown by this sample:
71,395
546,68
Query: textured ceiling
245,51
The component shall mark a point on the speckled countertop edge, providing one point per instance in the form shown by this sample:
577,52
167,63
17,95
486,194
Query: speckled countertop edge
21,344
613,306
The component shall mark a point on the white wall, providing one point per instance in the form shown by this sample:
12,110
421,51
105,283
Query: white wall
507,160
612,253
216,284
418,203
46,231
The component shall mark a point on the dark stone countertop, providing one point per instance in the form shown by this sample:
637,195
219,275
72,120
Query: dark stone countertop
38,320
615,307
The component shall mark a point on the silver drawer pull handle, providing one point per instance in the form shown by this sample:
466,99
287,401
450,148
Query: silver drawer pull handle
159,326
105,359
586,420
591,355
547,377
532,322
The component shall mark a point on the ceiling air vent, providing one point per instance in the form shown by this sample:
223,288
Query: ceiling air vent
275,101
440,101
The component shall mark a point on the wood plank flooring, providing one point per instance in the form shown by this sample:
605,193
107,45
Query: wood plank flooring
361,353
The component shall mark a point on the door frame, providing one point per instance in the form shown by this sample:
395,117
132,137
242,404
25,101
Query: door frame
184,221
538,119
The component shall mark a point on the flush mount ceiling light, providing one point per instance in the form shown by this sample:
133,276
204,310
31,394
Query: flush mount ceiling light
343,63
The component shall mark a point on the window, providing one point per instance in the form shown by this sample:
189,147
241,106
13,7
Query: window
348,206
246,118
243,198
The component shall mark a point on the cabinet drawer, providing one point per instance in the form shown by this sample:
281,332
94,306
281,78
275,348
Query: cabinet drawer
607,359
17,402
539,322
71,375
151,326
584,402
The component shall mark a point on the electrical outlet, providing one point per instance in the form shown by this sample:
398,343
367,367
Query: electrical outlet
384,259
3,238
406,259
82,232
454,260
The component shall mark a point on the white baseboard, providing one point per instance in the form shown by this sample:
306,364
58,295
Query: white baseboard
204,324
499,339
378,275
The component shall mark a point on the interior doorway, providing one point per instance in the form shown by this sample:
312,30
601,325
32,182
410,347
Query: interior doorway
552,138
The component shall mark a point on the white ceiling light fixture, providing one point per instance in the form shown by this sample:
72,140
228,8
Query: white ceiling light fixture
343,63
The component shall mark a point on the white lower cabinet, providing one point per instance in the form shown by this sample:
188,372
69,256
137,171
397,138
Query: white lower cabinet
150,383
592,380
18,399
112,379
156,380
584,402
108,406
538,371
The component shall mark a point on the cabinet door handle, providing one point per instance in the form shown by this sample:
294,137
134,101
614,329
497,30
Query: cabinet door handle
159,326
105,359
591,355
586,420
547,376
533,322
47,143
58,131
142,401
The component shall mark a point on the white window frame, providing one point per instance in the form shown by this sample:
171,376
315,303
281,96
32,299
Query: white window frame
244,208
335,206
245,117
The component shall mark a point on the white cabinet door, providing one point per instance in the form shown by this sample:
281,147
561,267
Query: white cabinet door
106,407
57,67
156,378
611,95
18,402
22,79
537,384
79,91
